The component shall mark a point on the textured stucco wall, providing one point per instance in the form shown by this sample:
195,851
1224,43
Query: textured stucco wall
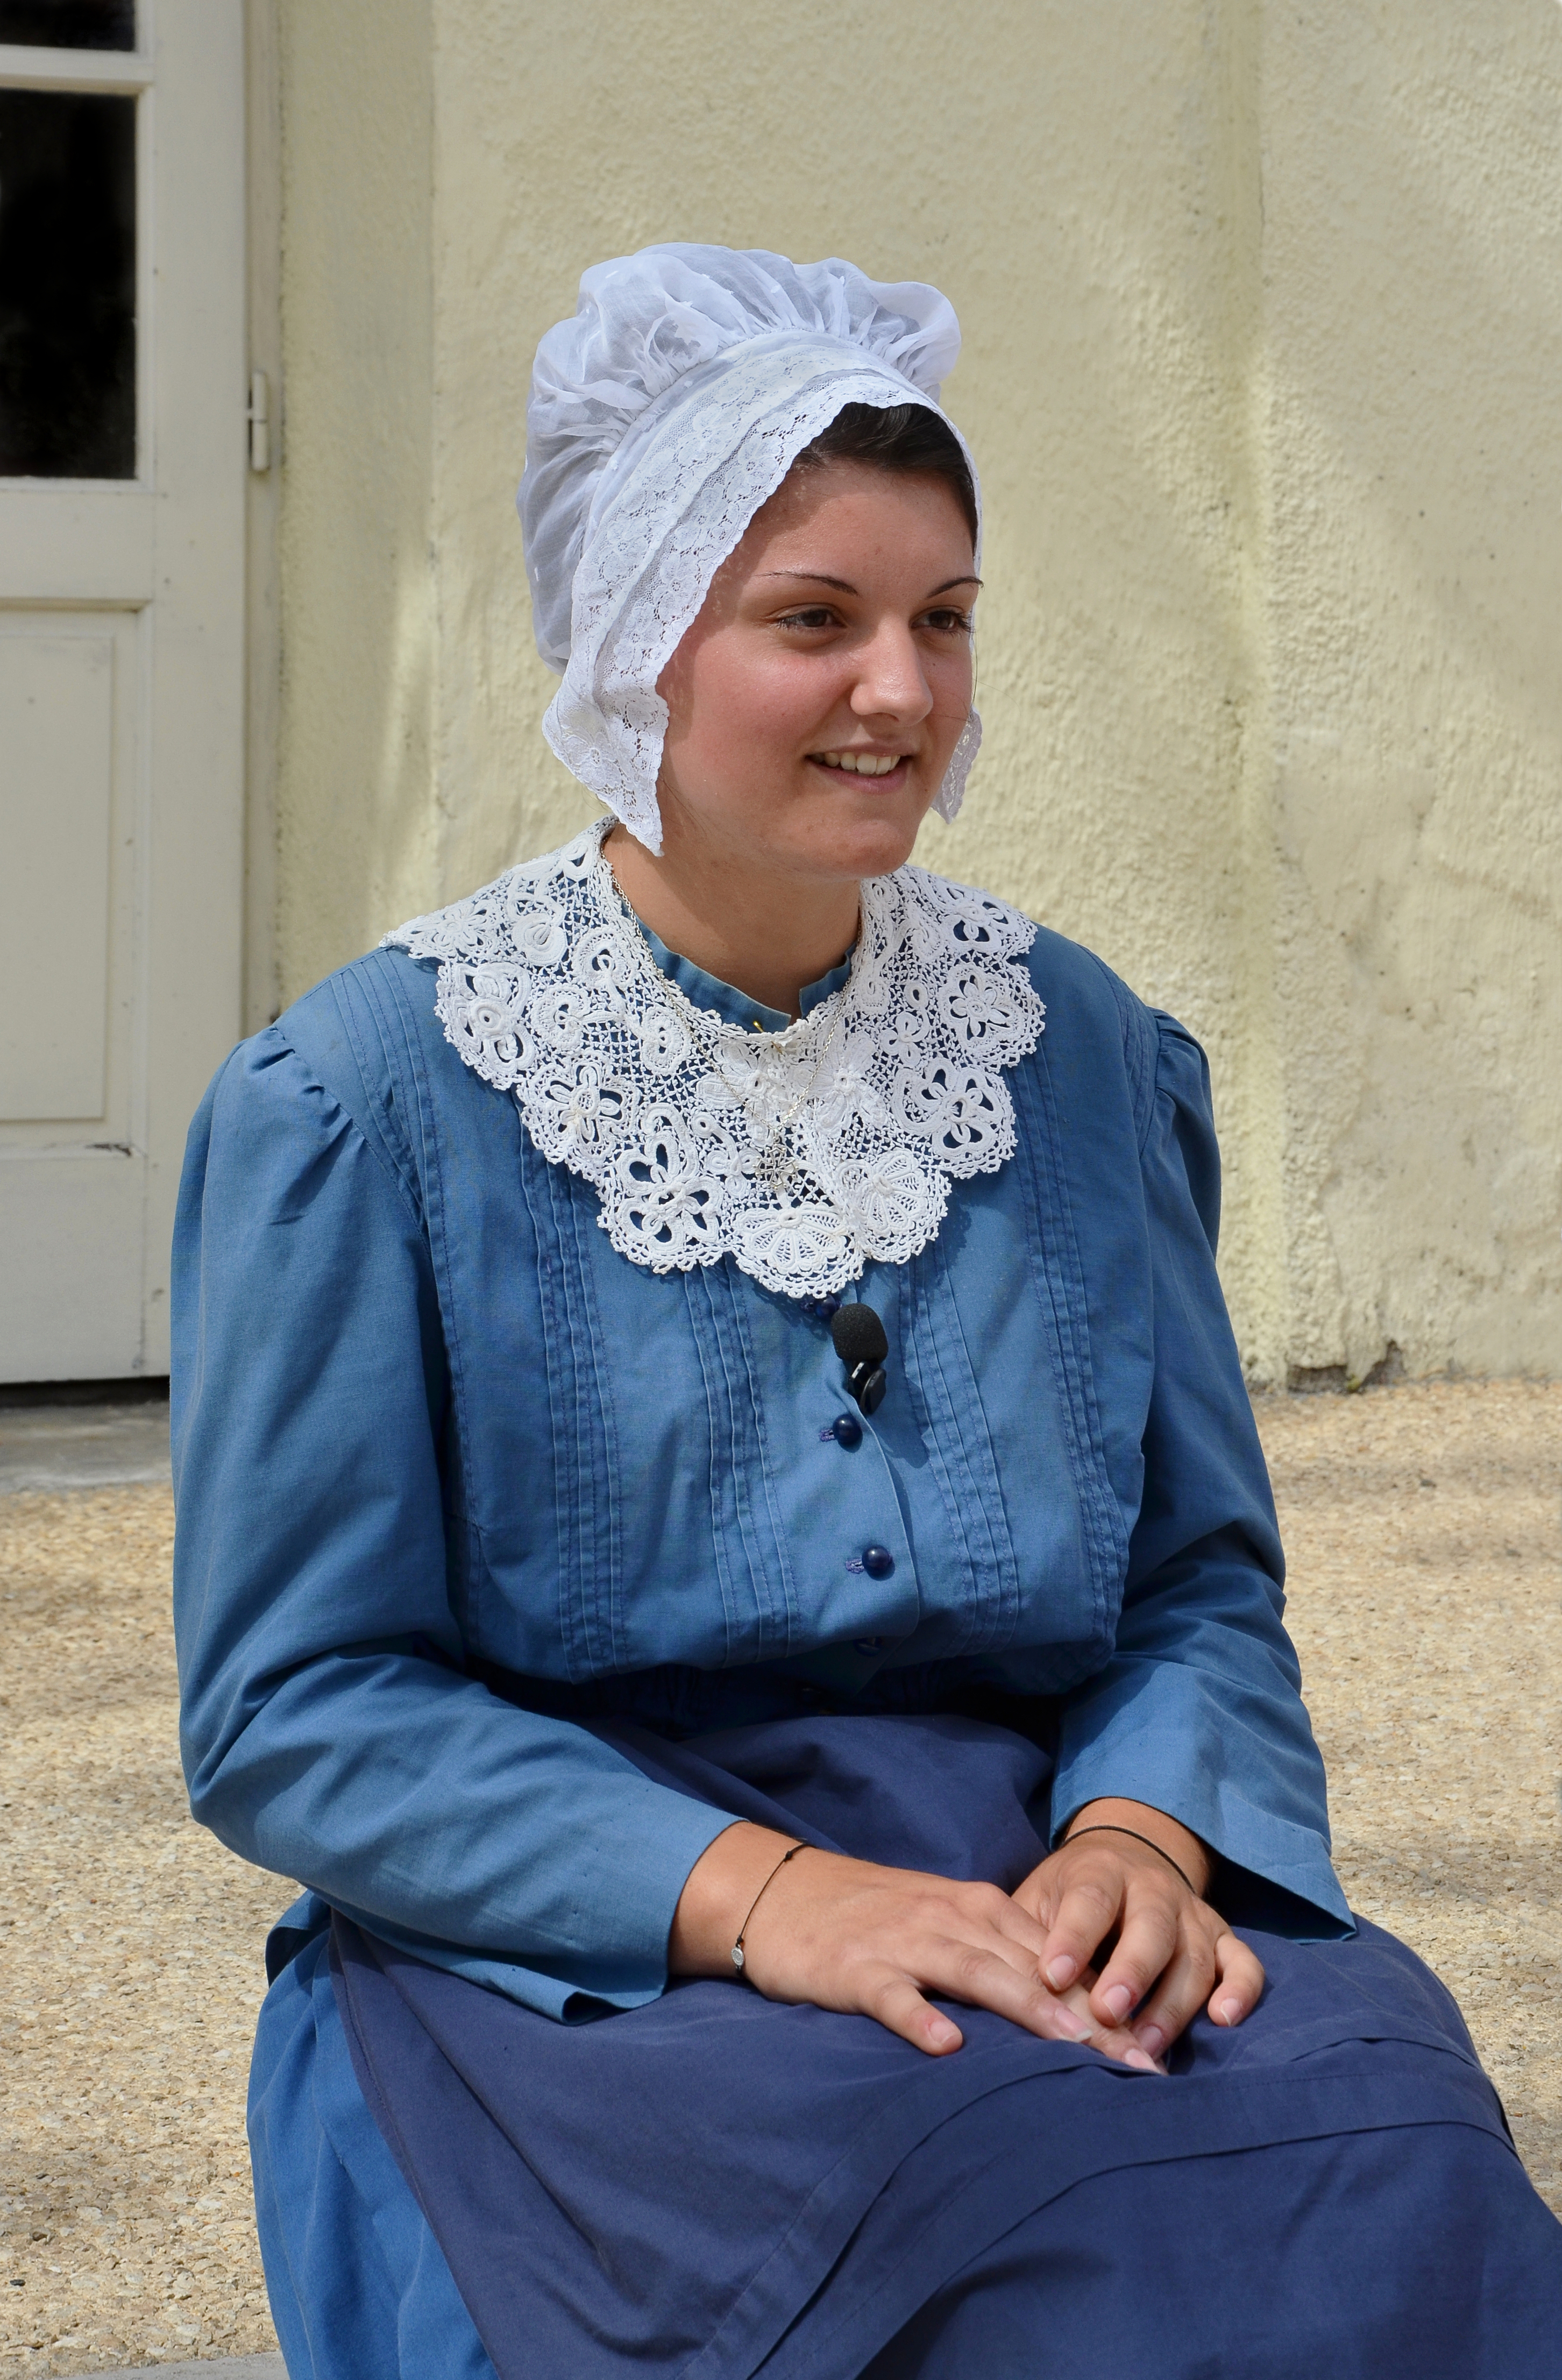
357,837
1262,347
1413,616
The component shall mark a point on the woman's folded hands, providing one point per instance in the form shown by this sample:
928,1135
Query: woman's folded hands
1128,1880
886,1942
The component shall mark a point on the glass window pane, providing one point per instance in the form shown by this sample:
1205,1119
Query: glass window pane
69,24
67,284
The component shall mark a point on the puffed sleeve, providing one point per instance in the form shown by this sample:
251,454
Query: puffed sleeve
327,1733
1200,1711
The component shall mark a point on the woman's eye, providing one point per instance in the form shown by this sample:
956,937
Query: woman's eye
948,621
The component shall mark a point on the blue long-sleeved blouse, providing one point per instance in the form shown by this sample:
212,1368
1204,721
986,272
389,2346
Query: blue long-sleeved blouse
434,1436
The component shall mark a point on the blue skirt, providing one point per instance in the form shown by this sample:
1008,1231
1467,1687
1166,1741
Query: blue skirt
714,2186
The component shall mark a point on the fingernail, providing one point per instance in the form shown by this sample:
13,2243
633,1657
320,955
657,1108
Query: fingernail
1117,2002
1137,2057
1152,2039
1061,1972
1074,2027
943,2034
1230,2012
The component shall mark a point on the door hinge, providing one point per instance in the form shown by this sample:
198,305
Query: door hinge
259,419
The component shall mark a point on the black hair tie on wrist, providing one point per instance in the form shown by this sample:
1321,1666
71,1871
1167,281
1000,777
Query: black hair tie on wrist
1105,1829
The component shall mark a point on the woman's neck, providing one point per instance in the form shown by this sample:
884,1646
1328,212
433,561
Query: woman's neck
767,933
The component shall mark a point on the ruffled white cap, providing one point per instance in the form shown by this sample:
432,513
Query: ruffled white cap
662,415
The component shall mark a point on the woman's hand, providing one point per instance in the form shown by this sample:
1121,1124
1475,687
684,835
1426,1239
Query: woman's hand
1172,1953
845,1934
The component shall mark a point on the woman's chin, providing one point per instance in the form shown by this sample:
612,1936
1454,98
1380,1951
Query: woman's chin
850,840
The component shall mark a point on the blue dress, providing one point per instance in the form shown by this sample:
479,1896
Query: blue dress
509,1573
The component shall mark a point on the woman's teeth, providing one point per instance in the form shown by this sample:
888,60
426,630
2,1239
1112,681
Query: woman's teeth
862,764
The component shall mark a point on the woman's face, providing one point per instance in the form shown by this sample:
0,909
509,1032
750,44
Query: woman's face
816,701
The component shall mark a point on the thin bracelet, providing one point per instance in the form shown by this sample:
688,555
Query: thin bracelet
1106,1828
737,1946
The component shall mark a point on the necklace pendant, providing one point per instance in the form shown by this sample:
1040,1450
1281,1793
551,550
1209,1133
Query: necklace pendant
776,1165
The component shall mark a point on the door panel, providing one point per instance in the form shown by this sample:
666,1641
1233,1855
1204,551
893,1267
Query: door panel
122,468
73,1307
56,698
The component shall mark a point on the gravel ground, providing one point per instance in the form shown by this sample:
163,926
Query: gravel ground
129,1974
1424,1526
1426,1583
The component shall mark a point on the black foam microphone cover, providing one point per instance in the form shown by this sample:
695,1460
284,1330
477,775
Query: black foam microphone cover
859,1336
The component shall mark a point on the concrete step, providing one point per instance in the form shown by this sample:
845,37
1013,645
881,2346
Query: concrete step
55,1447
242,2367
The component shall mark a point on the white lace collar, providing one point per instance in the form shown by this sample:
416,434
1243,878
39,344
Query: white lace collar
804,1155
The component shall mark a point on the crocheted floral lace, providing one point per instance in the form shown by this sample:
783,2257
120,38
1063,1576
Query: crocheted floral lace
689,478
802,1154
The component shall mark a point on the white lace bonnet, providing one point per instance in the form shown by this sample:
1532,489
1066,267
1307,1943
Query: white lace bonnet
662,415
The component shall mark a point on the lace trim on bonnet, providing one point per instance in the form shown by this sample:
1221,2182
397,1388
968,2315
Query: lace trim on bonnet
804,1155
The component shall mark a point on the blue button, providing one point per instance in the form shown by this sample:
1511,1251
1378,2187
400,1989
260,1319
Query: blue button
846,1430
878,1561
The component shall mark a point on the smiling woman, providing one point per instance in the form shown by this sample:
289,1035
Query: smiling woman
759,1536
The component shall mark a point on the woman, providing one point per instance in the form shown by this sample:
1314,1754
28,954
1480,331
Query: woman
717,1496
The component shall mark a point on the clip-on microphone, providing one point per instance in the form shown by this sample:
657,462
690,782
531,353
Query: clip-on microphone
861,1343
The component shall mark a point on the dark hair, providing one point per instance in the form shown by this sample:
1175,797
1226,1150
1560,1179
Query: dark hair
898,438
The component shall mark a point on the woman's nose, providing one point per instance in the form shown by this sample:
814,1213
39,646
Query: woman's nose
892,682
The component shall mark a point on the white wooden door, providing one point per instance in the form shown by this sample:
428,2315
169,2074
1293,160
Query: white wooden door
122,463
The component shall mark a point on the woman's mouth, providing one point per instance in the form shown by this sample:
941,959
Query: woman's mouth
877,765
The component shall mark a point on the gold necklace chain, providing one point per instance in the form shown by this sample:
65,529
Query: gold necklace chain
779,1131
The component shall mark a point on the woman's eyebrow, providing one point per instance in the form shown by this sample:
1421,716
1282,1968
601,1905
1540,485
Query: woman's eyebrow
823,579
817,578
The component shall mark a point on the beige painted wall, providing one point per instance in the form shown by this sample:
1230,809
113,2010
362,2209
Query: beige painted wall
1263,341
